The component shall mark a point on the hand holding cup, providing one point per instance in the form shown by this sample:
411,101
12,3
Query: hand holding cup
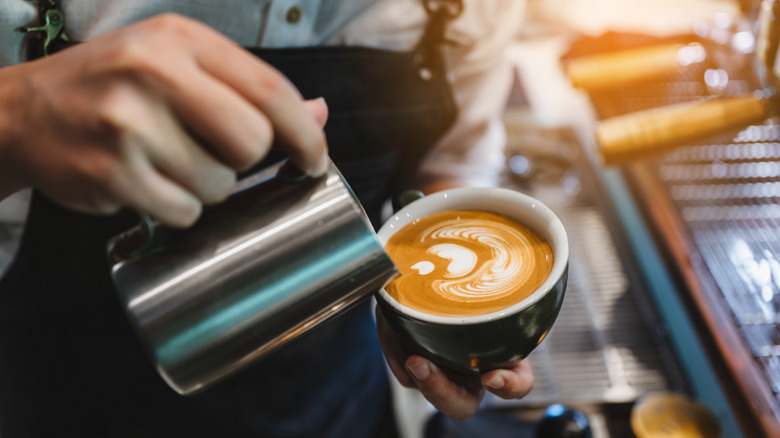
493,331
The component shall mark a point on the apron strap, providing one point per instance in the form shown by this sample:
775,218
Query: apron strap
429,49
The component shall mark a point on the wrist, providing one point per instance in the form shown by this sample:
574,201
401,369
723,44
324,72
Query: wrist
12,179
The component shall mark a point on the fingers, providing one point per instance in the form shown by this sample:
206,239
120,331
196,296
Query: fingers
459,396
456,395
208,179
187,163
228,125
319,109
510,383
161,170
142,187
295,128
176,155
455,400
207,108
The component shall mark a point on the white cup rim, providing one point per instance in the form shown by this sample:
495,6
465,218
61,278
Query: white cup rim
522,207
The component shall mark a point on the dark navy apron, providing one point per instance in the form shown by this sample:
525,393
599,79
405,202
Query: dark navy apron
70,364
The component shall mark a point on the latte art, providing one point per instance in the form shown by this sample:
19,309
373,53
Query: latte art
462,263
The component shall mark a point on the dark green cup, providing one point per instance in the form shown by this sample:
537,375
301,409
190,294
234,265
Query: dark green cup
483,342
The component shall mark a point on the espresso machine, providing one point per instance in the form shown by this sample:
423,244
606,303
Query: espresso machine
665,171
686,147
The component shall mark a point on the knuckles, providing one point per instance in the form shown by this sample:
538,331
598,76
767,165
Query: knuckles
249,155
173,24
115,117
151,52
138,61
271,88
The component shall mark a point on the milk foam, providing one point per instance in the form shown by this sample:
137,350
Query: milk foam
462,260
424,267
498,276
472,262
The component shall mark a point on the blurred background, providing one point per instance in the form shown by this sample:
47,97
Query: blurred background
648,127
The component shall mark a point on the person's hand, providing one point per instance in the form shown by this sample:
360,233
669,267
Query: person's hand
158,116
455,395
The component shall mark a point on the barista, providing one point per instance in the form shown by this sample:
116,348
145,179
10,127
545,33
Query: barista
157,114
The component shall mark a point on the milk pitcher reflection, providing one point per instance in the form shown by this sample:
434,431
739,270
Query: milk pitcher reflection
280,256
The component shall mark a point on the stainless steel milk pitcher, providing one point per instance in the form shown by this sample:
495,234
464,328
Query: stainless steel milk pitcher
280,256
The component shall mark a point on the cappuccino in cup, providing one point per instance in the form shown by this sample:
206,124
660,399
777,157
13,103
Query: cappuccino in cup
483,276
463,263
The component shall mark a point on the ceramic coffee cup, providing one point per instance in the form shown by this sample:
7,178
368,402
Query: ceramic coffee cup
492,340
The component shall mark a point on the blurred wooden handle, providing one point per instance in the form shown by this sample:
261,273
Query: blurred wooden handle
636,136
611,69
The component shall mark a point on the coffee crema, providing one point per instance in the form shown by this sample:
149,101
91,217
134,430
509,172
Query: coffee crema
466,263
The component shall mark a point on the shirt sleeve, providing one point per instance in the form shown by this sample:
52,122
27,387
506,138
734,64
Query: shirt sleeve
472,151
